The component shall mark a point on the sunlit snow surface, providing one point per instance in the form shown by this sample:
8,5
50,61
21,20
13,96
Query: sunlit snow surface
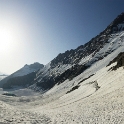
85,105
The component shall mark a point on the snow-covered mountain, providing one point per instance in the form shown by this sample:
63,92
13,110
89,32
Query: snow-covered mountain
73,62
22,77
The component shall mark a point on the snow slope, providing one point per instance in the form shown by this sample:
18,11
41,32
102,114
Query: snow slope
102,106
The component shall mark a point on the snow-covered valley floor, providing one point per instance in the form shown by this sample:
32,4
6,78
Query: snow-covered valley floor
90,106
108,109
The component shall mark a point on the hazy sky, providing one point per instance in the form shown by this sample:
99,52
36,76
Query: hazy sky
38,30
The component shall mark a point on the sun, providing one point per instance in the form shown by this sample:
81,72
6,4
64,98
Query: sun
6,39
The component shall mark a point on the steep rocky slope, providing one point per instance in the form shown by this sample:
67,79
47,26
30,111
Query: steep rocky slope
73,62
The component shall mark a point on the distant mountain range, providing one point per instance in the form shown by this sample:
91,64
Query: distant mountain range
21,78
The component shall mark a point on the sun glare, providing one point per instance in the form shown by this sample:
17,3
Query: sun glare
6,39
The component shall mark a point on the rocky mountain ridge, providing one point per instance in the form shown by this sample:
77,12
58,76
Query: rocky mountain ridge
73,62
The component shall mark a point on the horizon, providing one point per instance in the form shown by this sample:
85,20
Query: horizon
37,31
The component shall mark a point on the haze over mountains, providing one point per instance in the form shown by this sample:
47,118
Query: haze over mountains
22,77
2,75
80,86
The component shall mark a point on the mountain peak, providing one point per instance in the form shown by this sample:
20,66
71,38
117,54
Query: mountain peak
34,65
24,75
119,19
118,24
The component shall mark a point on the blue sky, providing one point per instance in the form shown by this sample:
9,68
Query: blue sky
38,30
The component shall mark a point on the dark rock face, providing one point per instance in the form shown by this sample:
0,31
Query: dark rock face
71,73
48,82
74,88
21,81
8,94
85,79
118,20
119,59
